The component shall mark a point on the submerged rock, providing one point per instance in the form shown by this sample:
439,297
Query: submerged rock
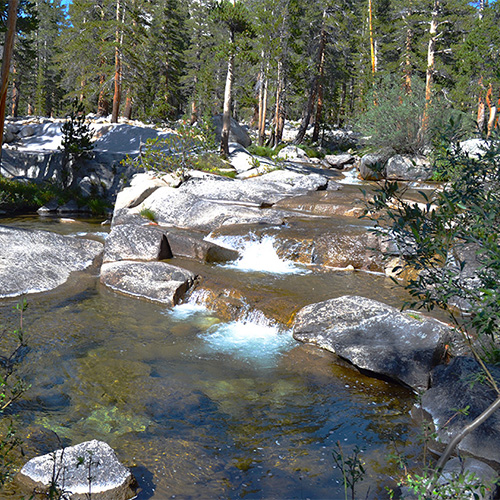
36,261
375,337
459,386
156,281
70,468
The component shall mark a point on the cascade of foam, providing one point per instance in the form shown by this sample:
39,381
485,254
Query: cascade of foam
257,255
256,343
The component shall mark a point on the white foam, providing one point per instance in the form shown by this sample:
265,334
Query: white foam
254,343
258,256
184,311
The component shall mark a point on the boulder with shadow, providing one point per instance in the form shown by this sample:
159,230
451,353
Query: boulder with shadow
155,281
153,242
372,167
461,385
375,337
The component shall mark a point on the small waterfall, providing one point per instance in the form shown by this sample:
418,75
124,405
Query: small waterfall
258,255
350,177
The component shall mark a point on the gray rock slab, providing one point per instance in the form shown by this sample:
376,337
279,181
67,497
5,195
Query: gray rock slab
152,243
456,386
374,337
36,261
292,183
136,242
110,480
408,168
339,161
156,281
181,208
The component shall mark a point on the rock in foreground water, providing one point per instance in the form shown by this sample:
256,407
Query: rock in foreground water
156,281
37,261
71,468
375,337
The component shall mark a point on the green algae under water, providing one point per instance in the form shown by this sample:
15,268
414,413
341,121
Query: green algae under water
198,408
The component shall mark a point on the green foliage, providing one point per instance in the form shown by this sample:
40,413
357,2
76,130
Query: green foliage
148,214
461,484
188,148
352,468
22,197
76,142
393,120
12,387
451,241
263,151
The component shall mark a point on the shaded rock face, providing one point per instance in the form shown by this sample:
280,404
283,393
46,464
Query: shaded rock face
372,167
36,261
236,133
110,480
456,386
34,166
374,337
408,168
156,281
339,161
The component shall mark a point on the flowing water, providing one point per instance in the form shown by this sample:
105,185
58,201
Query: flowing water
200,408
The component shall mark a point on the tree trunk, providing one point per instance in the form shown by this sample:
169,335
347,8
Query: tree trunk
127,112
431,52
263,103
118,66
372,45
408,69
6,58
493,112
321,70
306,117
226,115
16,92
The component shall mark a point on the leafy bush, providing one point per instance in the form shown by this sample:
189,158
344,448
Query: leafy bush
393,121
17,196
191,147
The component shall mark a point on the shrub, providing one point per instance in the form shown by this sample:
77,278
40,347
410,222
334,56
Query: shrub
76,142
189,148
393,120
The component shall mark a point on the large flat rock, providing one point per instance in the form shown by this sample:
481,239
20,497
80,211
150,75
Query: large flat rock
70,468
36,261
374,337
156,281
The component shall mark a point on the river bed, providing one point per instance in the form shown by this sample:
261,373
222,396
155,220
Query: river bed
199,407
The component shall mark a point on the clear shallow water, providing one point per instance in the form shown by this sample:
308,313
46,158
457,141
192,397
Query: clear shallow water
197,407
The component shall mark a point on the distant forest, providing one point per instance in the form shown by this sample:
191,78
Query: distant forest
320,62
